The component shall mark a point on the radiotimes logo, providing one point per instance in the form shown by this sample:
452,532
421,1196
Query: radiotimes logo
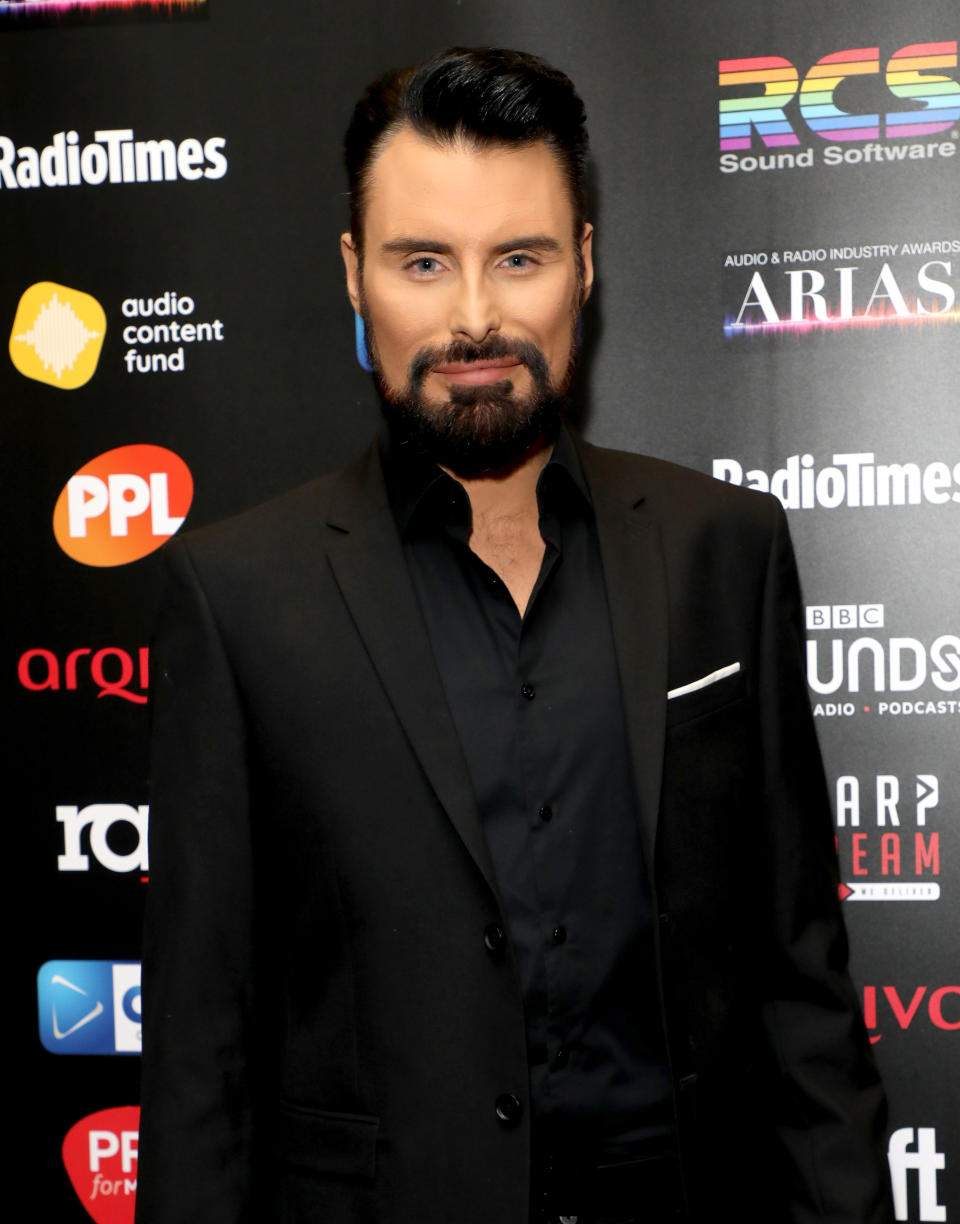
57,335
834,287
122,505
110,670
883,673
762,99
100,1154
852,479
89,1007
113,156
127,825
915,1165
886,836
885,1010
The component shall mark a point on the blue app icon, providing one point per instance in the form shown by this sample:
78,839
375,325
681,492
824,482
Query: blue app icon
89,1007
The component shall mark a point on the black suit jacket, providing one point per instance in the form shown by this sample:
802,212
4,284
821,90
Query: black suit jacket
326,1033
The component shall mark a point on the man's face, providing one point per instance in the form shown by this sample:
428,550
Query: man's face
470,291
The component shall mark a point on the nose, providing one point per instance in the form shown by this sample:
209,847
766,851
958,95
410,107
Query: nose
474,312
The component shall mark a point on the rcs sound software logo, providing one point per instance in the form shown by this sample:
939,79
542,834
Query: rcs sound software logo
57,335
89,1007
122,505
763,97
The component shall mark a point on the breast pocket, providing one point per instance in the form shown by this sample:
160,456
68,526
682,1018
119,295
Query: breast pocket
698,697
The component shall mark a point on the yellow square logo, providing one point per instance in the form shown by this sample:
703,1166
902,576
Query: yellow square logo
57,335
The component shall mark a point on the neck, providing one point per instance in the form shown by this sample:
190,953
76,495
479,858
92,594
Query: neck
509,493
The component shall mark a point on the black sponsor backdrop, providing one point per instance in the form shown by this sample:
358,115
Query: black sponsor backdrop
280,398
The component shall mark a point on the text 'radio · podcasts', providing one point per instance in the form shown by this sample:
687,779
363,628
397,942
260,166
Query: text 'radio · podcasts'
57,335
89,1006
101,1156
122,505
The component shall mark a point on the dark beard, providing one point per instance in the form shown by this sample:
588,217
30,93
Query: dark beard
478,429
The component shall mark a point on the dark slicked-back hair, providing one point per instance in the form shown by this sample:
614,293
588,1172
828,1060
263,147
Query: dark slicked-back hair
478,95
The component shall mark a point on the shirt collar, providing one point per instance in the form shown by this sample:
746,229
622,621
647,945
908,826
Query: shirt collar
420,491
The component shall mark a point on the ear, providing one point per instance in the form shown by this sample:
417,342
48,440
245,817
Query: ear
351,263
586,251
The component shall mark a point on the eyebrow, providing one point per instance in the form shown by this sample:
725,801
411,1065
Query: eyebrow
530,242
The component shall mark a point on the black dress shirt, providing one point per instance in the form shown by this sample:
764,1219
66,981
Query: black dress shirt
537,706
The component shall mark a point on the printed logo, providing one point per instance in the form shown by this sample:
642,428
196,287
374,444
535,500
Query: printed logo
127,824
149,335
113,156
915,1152
834,287
100,1155
854,480
38,670
122,505
57,335
901,1012
886,842
877,665
89,1007
763,97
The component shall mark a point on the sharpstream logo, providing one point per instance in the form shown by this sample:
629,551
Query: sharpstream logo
57,335
122,505
89,1007
763,99
113,156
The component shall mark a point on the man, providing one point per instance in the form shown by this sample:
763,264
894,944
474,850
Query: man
492,868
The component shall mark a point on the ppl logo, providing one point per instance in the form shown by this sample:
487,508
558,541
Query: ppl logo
57,335
101,819
915,1151
122,505
38,669
100,1155
883,1006
89,1007
772,82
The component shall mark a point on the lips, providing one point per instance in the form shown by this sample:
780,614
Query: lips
486,370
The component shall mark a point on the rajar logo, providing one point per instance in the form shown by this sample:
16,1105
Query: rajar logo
122,505
101,818
766,84
912,1151
100,1155
883,1005
110,669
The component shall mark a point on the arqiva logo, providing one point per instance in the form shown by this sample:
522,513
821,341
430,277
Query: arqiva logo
100,1156
122,505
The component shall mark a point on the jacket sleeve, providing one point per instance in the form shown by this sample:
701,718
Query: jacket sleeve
830,1104
196,1130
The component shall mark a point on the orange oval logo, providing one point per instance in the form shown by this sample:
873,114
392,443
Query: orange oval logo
122,505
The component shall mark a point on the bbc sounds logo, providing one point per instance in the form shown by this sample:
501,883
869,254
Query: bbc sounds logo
122,505
57,335
100,1154
762,97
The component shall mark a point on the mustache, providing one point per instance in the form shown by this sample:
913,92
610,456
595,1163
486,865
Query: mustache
524,351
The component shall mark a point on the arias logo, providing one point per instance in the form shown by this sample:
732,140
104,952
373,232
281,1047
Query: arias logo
122,505
57,335
887,842
762,96
46,12
100,1155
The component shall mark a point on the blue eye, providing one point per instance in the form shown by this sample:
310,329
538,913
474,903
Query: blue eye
518,261
425,264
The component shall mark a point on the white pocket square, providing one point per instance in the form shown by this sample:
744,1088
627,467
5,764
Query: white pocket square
711,678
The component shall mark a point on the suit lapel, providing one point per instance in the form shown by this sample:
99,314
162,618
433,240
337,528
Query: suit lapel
370,570
635,576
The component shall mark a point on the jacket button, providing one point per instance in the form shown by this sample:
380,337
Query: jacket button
559,934
494,938
528,691
509,1109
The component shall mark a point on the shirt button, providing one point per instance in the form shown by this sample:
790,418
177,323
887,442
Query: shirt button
546,812
559,934
560,1058
509,1109
494,938
528,691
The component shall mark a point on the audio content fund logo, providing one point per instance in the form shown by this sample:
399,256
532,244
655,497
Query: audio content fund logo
100,1154
57,335
122,505
89,1007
